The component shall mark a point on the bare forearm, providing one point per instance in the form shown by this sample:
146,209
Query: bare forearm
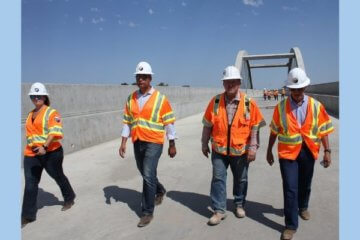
205,137
272,139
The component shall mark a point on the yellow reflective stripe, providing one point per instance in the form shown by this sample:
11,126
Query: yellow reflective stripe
315,106
129,103
156,108
286,139
219,149
45,121
207,123
238,152
273,127
169,120
216,104
55,129
167,116
144,126
282,114
127,118
326,126
148,124
258,126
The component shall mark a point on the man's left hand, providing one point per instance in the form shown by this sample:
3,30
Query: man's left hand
172,151
251,156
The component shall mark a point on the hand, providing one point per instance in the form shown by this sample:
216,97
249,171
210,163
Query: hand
122,150
205,150
40,151
172,151
270,158
327,159
251,156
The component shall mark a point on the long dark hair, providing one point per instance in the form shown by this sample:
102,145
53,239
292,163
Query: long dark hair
47,100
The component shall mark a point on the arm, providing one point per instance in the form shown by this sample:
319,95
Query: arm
327,151
269,155
171,135
205,137
125,134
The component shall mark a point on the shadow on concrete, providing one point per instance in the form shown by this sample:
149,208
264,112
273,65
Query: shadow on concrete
131,197
199,203
45,199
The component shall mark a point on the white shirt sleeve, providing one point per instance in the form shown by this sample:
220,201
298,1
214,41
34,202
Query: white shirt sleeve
170,132
125,131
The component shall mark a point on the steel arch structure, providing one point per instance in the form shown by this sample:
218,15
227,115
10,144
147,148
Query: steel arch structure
244,62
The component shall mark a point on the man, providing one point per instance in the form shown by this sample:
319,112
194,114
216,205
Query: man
147,116
282,93
232,120
300,123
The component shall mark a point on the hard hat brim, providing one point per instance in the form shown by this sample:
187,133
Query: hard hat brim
296,86
224,79
37,94
144,73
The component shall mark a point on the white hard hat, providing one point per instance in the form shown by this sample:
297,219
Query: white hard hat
38,89
231,72
297,79
143,68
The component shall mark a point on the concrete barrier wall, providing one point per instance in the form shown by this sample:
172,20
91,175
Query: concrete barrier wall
324,88
327,94
92,114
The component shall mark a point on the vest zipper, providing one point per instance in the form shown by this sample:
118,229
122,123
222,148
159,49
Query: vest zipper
229,126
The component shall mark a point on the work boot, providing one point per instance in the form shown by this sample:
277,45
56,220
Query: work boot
304,214
216,218
145,220
25,221
240,212
287,234
67,205
159,198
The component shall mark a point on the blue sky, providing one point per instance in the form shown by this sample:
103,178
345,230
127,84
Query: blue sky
185,41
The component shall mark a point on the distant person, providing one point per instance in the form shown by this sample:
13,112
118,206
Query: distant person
276,94
300,123
232,121
269,94
147,116
265,94
282,93
43,129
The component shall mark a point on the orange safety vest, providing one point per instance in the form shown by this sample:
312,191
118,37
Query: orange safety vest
47,122
148,124
233,141
291,136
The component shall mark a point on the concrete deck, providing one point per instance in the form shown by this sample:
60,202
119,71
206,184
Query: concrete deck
109,189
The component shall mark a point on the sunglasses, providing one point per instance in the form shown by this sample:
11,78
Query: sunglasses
38,97
142,76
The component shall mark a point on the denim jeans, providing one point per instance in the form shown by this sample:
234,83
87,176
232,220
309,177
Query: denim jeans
33,167
297,176
239,167
147,157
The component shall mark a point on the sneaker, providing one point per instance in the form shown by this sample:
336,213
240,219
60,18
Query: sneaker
159,198
240,212
216,218
67,205
304,214
145,220
287,234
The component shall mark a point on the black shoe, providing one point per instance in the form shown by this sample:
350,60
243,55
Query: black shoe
159,198
67,205
25,221
145,220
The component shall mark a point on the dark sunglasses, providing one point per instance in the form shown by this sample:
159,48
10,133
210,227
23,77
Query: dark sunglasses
32,97
142,76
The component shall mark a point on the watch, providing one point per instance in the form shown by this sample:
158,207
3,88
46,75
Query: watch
327,150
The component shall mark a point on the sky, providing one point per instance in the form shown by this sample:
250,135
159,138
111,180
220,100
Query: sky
187,42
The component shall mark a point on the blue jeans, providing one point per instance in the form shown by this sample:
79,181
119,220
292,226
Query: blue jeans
297,176
147,157
239,167
33,167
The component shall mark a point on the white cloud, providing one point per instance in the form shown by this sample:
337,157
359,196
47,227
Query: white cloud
184,4
120,22
100,29
151,12
253,3
97,20
81,19
255,12
94,9
287,8
132,24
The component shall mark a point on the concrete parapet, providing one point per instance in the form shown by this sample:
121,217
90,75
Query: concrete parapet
324,88
331,103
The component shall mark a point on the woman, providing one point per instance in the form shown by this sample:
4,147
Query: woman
43,151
